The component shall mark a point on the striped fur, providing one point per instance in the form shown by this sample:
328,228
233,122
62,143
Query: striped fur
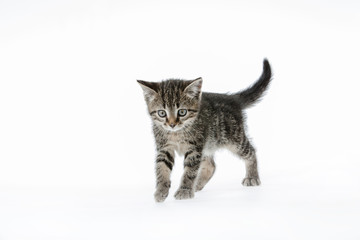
212,121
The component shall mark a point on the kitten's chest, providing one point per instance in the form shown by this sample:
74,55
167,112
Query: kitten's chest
178,143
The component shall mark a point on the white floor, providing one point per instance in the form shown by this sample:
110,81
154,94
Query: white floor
295,205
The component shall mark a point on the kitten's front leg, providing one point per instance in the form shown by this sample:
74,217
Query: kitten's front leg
191,169
164,165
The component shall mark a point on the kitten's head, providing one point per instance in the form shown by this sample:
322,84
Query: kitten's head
172,104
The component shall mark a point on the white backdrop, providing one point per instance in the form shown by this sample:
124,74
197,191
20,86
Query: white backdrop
76,148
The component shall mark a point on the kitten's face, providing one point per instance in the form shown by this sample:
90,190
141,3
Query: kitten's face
172,104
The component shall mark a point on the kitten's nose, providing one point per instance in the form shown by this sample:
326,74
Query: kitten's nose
172,125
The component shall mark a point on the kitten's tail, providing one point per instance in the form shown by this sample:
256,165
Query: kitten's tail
253,94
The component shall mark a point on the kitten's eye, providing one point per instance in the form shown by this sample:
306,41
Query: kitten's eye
162,113
182,112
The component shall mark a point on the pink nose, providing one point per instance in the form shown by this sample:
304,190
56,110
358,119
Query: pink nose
172,125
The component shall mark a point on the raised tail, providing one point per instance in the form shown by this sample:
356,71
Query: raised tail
253,94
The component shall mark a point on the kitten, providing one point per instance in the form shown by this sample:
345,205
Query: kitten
195,124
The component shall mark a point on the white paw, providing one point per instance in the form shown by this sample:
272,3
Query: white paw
184,194
161,194
251,182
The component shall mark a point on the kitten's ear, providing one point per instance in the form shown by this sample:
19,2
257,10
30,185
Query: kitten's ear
149,89
193,90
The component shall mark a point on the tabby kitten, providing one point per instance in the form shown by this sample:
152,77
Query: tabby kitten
195,124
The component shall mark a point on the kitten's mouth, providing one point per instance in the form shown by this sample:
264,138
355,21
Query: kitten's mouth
172,129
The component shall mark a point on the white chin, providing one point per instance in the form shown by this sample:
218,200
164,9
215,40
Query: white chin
172,129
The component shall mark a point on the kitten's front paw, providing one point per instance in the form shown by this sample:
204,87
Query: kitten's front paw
184,194
251,182
161,194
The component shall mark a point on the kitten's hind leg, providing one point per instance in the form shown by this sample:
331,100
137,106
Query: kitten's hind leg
206,171
247,152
